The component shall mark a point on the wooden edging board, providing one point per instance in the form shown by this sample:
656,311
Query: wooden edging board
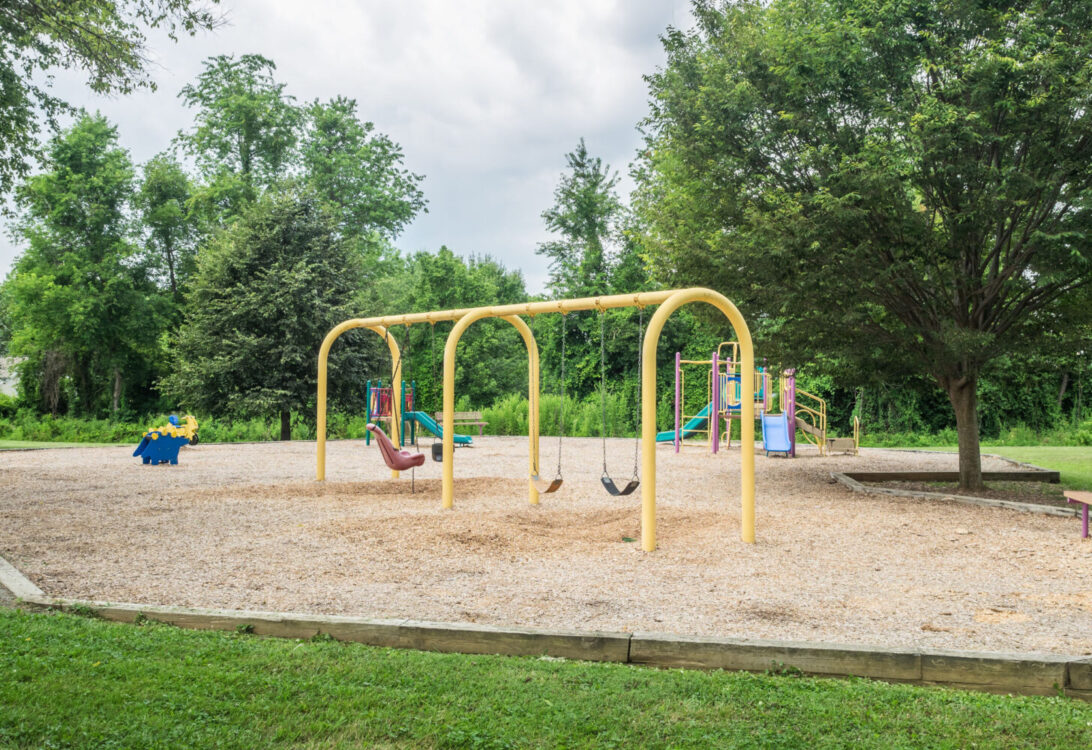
852,480
1024,674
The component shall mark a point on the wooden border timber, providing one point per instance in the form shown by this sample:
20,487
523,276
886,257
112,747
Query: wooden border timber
1024,674
849,479
1038,475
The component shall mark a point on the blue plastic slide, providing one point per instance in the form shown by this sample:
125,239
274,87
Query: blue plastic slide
775,434
689,429
429,424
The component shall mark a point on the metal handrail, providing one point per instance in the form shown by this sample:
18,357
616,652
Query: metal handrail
818,421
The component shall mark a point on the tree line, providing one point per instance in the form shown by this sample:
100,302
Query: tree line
897,198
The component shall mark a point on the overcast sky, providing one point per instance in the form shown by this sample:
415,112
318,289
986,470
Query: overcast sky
485,97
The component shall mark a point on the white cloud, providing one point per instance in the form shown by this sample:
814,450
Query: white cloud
485,97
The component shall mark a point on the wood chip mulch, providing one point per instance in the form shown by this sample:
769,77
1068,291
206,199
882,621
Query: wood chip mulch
247,527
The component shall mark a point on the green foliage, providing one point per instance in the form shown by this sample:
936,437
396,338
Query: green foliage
358,171
73,682
265,293
582,417
82,306
903,188
492,359
585,214
245,131
8,406
171,231
103,38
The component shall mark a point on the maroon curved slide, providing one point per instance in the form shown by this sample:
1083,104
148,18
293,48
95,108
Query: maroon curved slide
395,459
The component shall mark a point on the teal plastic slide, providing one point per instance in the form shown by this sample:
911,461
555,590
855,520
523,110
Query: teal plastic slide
429,424
689,429
775,433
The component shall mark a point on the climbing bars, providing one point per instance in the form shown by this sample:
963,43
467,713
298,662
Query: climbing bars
668,301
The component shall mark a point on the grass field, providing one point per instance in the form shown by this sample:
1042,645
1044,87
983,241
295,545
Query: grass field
75,682
15,445
1075,463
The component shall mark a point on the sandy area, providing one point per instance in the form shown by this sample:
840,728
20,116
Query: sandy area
246,526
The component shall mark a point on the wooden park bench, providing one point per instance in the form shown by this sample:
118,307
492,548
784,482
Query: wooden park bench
465,418
1084,499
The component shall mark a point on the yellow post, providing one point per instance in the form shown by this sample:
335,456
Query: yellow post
396,393
532,400
324,355
447,484
450,348
648,411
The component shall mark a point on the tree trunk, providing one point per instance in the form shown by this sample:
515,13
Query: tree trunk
286,425
117,391
170,270
1062,388
963,393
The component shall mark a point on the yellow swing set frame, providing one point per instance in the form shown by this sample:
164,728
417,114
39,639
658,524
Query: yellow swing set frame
668,302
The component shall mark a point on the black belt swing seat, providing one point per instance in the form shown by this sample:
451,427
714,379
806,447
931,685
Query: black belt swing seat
634,481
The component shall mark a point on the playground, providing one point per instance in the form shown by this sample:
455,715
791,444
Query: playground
245,527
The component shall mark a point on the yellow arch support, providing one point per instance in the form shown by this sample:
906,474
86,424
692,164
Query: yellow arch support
669,301
648,411
396,405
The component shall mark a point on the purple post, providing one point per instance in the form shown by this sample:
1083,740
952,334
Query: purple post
678,400
714,407
789,408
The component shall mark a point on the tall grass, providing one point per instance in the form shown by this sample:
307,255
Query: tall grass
581,418
1018,435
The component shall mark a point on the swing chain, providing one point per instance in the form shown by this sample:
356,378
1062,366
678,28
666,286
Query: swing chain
640,383
603,384
561,412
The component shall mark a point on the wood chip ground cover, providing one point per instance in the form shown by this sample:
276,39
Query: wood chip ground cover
246,527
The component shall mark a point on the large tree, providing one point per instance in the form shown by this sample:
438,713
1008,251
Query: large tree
171,231
245,131
585,218
358,171
80,298
266,291
105,38
903,184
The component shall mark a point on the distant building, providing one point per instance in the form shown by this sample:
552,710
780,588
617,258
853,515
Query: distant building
9,376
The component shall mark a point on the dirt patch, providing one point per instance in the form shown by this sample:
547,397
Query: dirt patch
247,527
1033,493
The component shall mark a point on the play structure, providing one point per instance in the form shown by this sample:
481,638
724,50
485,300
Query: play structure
644,474
796,409
160,445
378,398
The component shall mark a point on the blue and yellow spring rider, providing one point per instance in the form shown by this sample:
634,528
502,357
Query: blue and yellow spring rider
160,444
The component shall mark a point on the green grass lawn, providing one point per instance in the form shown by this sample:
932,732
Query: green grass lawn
70,681
1075,463
11,445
